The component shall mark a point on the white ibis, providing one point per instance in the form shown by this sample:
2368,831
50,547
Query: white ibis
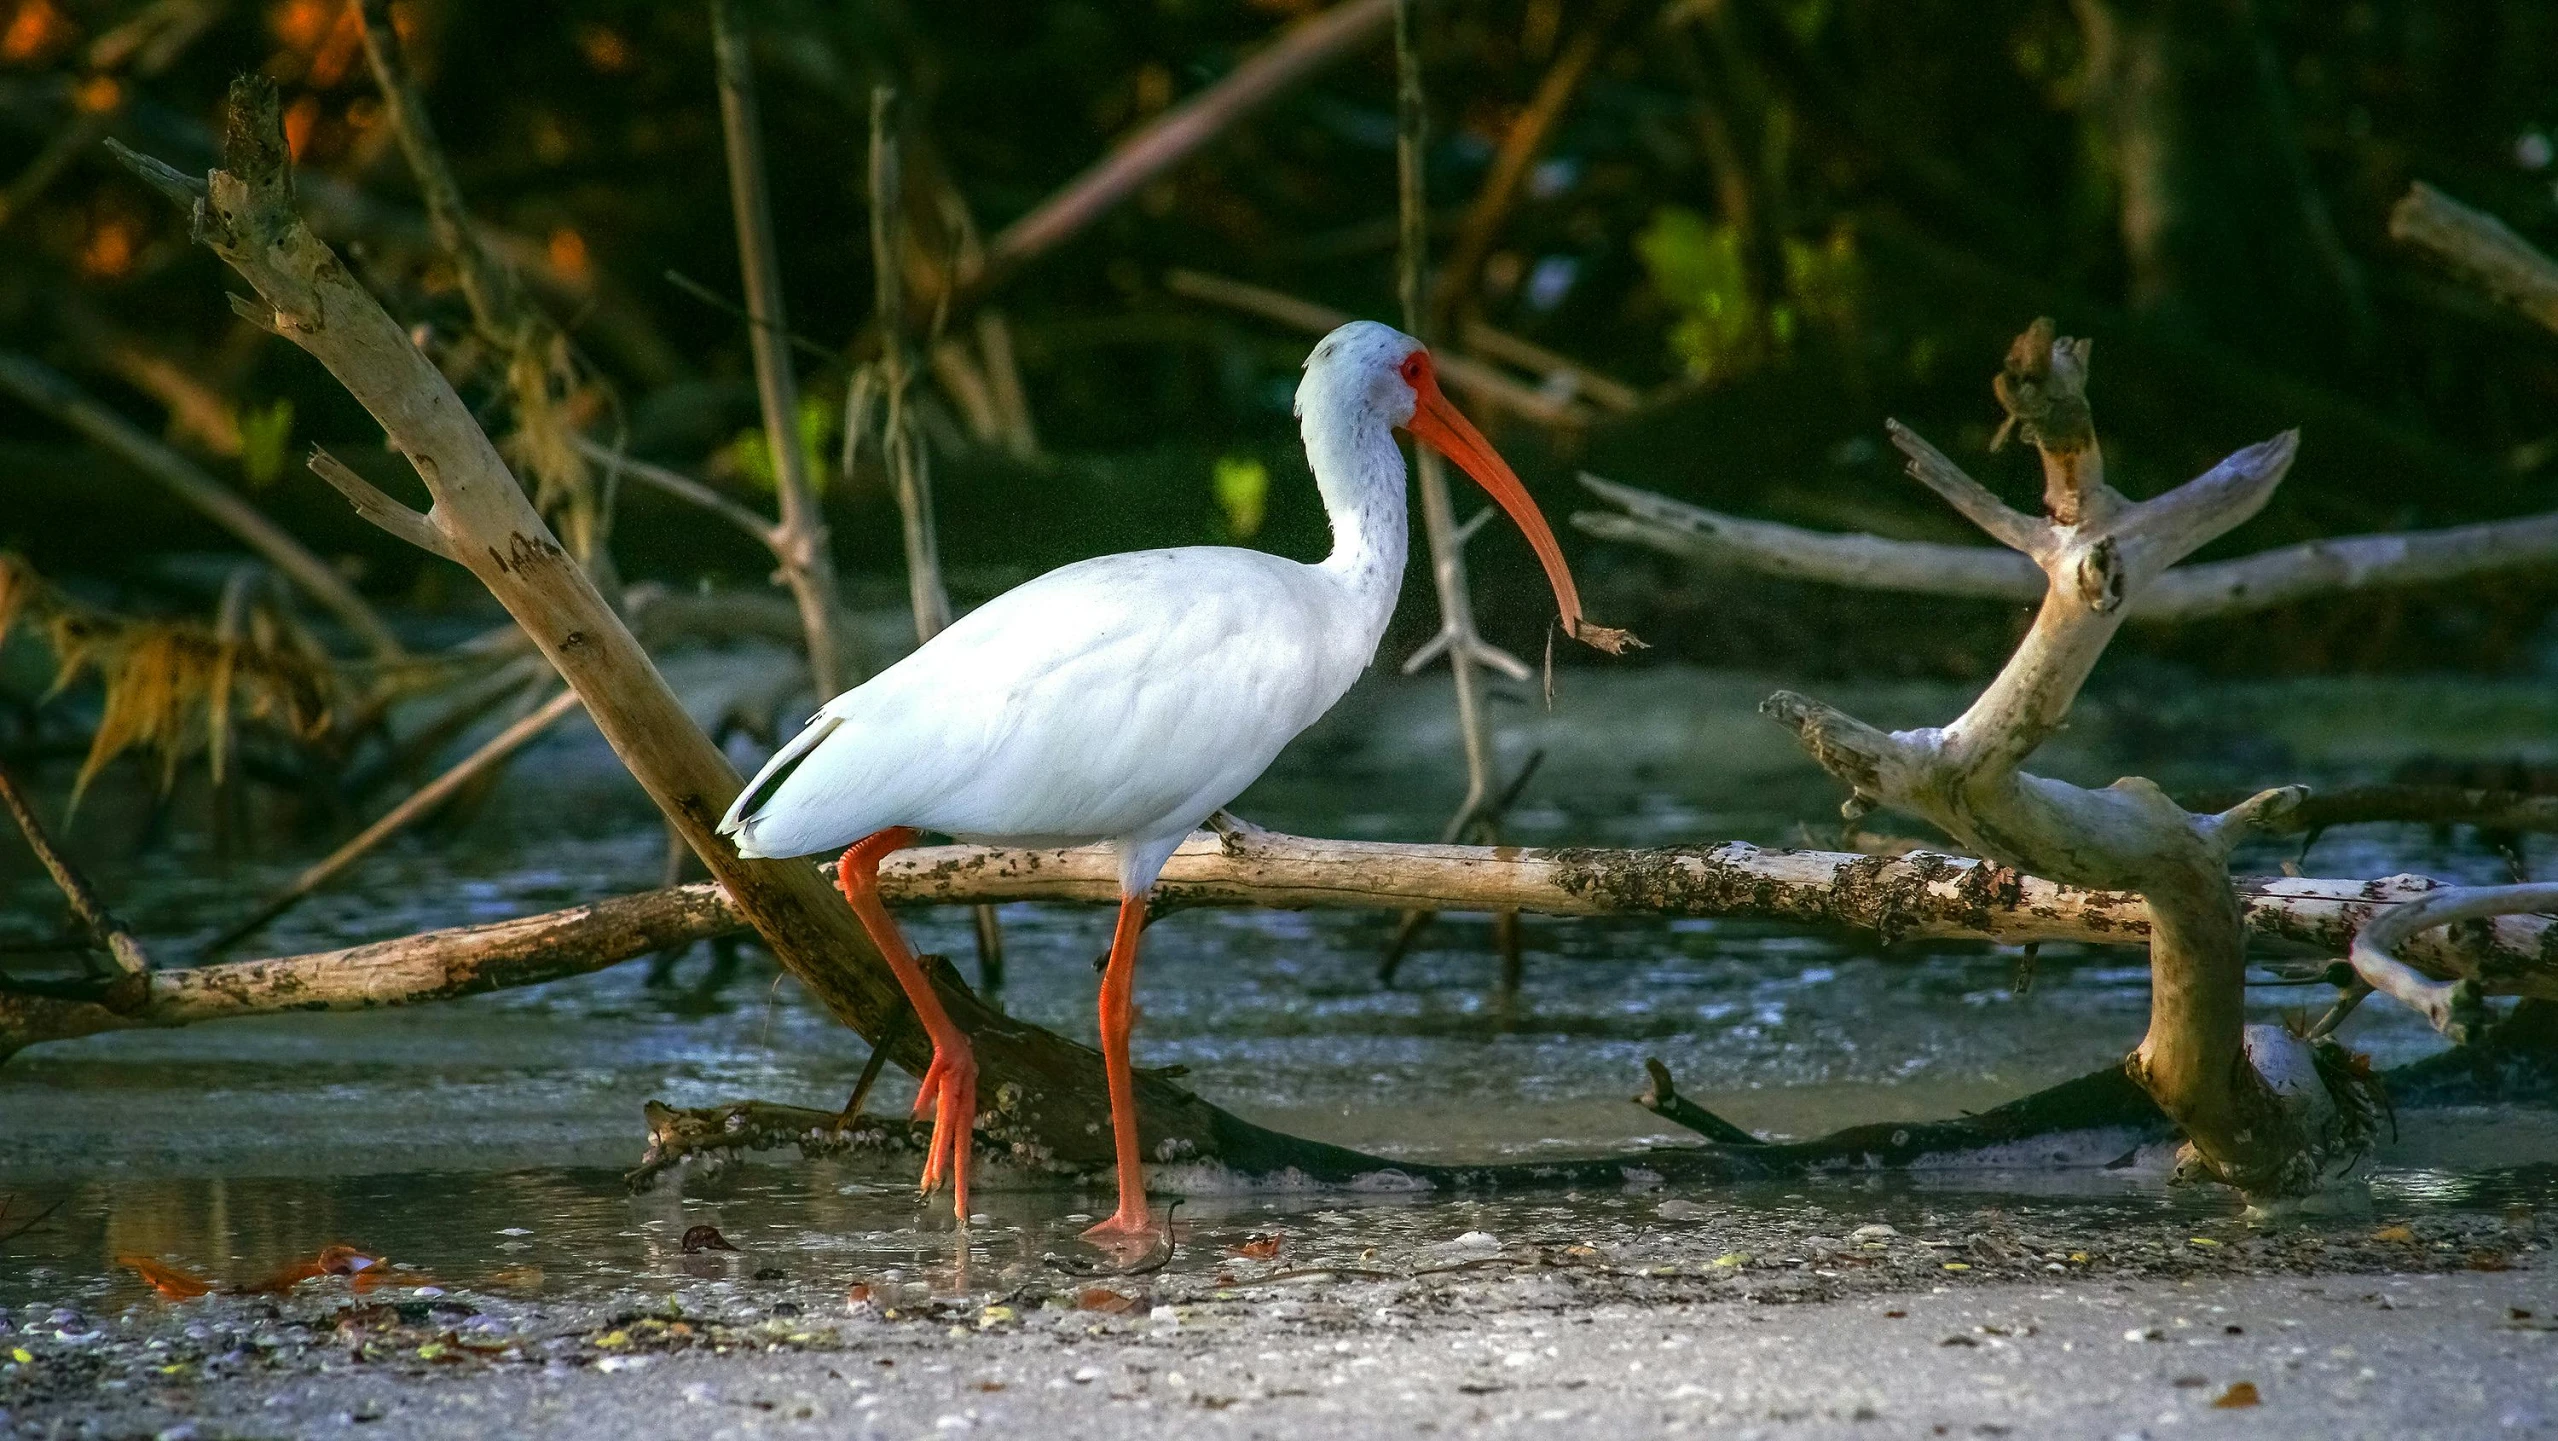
1123,700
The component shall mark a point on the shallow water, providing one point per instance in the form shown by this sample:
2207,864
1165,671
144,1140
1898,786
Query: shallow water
430,1133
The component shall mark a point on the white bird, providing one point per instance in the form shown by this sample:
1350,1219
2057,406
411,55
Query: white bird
1124,700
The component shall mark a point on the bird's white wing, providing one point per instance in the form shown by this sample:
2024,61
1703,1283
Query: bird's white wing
1114,697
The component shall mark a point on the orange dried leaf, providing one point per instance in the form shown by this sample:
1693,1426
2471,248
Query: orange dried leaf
173,1282
2240,1395
516,1280
1260,1248
1104,1300
2399,1235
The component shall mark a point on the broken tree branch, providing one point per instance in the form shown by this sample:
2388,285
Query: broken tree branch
2392,803
1458,640
1660,1095
2483,249
47,390
2251,1100
372,504
1920,895
901,441
808,567
1522,142
2454,1007
2281,576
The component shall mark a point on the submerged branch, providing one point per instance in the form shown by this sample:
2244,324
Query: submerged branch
104,930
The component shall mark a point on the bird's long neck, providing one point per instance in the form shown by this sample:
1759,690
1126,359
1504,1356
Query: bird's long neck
1359,470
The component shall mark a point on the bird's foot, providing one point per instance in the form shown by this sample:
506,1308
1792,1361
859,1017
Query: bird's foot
1128,1231
949,1093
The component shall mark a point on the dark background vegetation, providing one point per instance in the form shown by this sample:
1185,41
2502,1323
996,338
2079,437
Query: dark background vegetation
1781,220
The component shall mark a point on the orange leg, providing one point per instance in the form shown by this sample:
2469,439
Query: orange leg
1118,1019
949,1091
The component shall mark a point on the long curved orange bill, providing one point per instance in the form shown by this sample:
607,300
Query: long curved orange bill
1438,424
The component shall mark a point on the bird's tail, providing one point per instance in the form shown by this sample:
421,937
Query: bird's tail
740,822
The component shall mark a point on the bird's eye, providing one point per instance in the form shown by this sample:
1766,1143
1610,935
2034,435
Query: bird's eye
1413,366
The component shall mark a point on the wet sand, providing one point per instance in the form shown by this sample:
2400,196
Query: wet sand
1979,1321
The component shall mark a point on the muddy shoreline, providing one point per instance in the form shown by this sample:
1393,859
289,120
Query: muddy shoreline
1670,1319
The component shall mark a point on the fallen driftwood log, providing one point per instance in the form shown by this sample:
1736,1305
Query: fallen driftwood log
1920,895
2103,1118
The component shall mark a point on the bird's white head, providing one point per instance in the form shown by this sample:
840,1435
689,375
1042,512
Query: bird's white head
1365,376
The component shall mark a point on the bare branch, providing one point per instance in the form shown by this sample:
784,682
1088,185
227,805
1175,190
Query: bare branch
1175,135
1660,1095
496,301
40,386
1561,371
681,486
1872,562
901,443
2480,247
373,505
2281,576
1522,141
2452,1006
808,567
1930,467
2170,527
1476,380
175,185
1919,895
92,914
2257,1108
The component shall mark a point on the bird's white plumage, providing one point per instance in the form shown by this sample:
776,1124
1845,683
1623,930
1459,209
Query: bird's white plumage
1127,697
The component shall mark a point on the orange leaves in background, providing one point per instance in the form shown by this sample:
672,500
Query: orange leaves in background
300,118
35,30
109,249
604,48
568,254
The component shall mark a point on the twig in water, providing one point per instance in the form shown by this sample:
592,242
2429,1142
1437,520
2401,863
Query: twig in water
102,927
1661,1097
889,1040
9,1203
1156,1258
